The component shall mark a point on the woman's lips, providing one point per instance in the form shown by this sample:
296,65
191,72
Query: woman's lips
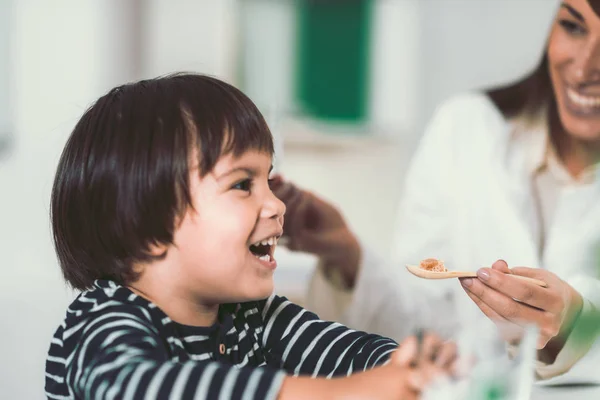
579,104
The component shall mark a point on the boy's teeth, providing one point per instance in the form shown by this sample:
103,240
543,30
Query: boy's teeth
266,257
267,242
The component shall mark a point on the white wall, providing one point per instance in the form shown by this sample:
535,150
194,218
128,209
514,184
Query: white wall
395,67
267,36
189,35
65,54
470,44
5,32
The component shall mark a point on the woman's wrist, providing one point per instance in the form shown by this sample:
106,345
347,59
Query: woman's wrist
575,307
549,353
345,262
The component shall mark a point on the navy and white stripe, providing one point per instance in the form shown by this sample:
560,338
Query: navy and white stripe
114,344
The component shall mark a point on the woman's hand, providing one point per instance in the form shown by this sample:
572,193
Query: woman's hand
315,226
512,304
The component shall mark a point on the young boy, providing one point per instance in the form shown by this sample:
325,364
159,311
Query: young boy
163,216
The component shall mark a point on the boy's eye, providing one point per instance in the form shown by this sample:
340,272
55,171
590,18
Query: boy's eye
244,185
572,27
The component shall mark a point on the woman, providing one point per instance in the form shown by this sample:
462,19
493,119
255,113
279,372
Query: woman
510,174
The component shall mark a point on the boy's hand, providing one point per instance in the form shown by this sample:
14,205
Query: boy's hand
410,370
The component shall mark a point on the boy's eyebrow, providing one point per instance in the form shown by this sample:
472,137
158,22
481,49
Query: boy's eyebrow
573,12
252,172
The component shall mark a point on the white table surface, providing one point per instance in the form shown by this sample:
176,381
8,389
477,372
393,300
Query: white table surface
566,393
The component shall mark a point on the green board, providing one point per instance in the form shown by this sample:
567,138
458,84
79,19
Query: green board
333,59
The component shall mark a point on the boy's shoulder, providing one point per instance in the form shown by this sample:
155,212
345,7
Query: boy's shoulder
93,314
104,300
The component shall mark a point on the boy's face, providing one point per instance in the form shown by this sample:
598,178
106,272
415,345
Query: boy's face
234,209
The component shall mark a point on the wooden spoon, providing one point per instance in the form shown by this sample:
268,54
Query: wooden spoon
423,273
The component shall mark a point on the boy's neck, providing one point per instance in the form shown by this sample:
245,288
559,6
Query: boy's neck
177,304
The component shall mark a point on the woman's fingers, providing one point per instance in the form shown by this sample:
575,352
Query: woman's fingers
523,292
504,305
501,266
511,332
536,273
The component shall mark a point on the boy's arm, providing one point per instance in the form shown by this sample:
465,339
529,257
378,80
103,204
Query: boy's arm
409,370
307,345
123,355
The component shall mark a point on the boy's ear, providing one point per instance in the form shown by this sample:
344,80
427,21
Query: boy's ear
157,249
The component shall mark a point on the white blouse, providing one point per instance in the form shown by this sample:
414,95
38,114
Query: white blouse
479,188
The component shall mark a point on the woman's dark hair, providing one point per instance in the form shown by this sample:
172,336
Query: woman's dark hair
123,177
526,96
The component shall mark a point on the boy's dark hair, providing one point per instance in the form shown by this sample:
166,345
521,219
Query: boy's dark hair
123,177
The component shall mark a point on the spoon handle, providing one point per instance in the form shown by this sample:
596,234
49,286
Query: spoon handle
530,280
461,274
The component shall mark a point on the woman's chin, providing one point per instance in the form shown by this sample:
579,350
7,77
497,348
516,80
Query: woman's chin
582,128
586,133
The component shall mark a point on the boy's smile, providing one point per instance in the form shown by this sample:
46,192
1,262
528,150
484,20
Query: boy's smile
223,247
264,250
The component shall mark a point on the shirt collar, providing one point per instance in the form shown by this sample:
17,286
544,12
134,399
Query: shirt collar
530,142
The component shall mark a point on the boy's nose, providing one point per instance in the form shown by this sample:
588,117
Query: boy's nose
273,207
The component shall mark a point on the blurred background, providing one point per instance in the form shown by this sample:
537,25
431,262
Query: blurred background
347,86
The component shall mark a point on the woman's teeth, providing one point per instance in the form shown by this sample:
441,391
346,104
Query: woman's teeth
583,101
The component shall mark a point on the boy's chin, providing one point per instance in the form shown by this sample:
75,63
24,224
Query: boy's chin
259,291
263,291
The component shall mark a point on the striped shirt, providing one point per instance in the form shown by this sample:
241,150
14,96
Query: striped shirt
115,344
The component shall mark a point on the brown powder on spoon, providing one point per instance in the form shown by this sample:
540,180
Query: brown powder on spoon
432,264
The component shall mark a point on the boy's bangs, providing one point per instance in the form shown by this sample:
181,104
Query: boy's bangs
233,127
239,139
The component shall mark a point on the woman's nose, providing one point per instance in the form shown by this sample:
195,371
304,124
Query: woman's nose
587,62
